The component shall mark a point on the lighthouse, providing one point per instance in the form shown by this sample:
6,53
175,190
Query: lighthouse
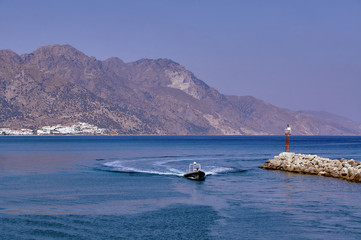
288,132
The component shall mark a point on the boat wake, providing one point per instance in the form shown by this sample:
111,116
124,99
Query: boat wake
160,166
118,166
223,170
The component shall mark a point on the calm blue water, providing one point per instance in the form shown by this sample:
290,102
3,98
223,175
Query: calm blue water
132,188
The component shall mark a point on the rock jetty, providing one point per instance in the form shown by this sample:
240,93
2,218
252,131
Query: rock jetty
312,164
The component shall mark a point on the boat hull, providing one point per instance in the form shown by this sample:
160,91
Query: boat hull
196,176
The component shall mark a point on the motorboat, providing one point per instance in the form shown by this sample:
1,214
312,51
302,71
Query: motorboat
195,172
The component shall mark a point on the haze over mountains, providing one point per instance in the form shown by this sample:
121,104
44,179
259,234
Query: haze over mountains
58,84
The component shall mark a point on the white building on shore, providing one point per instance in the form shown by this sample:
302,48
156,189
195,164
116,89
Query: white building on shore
75,129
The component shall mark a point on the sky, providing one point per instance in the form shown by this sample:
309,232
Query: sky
295,54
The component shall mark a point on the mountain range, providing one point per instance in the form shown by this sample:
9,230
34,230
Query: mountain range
59,84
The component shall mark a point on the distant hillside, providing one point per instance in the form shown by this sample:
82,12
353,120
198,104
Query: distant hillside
58,84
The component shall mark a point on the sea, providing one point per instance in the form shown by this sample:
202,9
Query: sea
132,187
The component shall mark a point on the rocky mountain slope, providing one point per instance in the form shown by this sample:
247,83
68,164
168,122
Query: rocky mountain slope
58,84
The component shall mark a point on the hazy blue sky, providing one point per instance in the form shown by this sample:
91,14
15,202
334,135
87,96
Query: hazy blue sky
301,55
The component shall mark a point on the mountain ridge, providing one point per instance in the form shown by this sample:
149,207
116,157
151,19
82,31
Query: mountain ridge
58,84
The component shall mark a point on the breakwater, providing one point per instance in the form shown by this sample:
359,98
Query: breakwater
312,164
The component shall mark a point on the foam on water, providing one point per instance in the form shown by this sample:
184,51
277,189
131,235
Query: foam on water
118,166
214,170
164,167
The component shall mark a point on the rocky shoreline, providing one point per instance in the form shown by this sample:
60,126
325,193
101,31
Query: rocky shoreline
349,170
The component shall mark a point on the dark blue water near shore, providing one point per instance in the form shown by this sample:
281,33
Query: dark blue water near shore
132,188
